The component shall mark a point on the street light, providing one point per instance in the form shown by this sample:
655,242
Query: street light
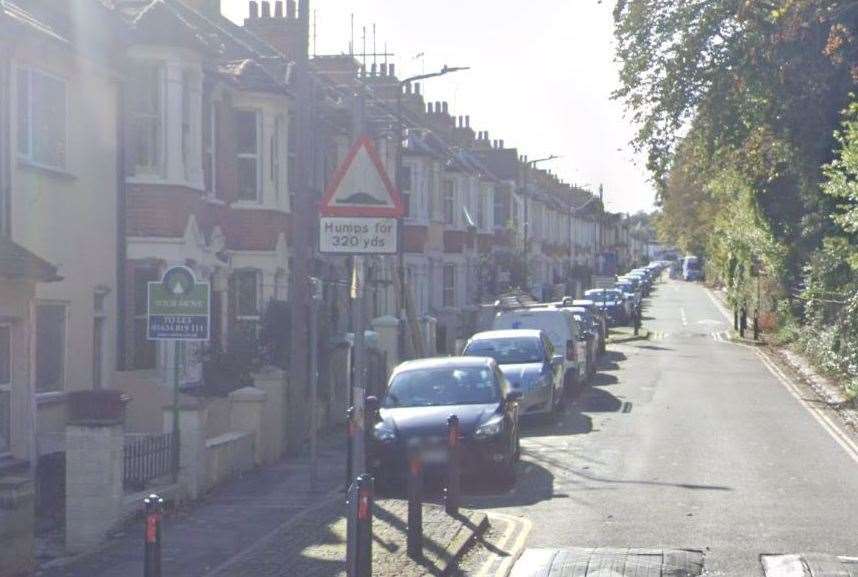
400,133
527,166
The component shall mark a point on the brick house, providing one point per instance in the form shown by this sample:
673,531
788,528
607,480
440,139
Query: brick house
206,122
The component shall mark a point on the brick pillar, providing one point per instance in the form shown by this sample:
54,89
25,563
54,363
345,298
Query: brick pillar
16,526
387,328
273,382
193,474
245,415
94,457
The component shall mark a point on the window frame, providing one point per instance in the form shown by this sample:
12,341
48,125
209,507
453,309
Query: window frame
257,156
138,317
27,156
448,201
239,316
7,384
448,293
209,146
6,389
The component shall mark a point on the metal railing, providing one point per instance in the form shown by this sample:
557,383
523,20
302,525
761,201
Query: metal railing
147,457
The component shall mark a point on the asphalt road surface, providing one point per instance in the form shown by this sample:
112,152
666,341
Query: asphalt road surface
686,441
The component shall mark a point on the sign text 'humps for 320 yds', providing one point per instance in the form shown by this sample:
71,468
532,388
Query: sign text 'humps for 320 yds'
358,235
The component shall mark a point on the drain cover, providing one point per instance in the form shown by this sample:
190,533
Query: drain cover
605,562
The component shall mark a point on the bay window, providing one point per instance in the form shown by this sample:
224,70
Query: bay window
449,285
247,124
146,128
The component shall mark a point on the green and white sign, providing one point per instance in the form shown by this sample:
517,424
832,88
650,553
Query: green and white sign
179,307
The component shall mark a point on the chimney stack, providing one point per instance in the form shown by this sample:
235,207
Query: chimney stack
291,10
266,9
278,9
254,9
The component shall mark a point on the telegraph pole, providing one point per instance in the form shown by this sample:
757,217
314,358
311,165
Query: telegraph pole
358,452
302,240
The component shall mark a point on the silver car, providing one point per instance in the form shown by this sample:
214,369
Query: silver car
528,362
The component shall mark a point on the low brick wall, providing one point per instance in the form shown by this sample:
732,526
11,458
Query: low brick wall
227,456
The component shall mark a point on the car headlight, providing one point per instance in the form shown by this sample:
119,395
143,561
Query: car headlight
383,433
490,428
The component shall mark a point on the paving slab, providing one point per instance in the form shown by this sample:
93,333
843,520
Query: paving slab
609,562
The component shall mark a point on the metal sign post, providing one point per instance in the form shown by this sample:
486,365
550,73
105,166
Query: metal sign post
178,310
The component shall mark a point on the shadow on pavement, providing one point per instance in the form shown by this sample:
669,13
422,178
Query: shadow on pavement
534,484
603,380
594,400
610,360
570,422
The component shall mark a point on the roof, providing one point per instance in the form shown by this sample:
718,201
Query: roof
441,362
506,334
16,262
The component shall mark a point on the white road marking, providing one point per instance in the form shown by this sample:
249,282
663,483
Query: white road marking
834,431
682,314
783,566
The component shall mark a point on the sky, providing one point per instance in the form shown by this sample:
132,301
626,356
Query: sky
541,76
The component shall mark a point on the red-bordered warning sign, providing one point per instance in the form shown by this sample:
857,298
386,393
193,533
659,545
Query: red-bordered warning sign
362,187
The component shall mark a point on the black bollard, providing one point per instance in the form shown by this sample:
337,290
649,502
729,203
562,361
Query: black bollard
452,495
735,319
152,536
415,508
743,321
756,325
365,499
350,431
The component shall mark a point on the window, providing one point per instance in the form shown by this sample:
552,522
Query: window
247,123
50,347
406,190
187,143
448,201
482,200
145,94
144,349
449,285
42,118
276,163
209,146
5,355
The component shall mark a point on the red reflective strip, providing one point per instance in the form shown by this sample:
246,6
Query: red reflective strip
152,527
363,506
415,467
453,438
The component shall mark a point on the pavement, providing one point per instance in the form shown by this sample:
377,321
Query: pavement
687,441
274,523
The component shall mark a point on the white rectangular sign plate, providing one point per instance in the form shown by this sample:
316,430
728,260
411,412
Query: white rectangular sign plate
357,235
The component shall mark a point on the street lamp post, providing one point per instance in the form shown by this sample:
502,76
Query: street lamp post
400,134
527,166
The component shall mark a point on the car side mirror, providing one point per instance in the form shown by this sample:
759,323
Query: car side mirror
557,361
514,396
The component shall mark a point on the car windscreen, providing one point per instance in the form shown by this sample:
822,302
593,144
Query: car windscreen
441,386
510,351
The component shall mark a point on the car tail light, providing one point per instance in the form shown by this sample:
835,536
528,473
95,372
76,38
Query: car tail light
570,350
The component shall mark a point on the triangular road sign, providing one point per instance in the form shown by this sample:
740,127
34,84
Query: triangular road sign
361,186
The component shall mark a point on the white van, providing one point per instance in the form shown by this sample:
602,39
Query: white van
562,330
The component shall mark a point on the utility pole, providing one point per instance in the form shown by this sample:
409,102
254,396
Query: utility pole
527,165
302,240
404,317
358,385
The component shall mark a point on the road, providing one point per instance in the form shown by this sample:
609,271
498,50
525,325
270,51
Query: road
688,441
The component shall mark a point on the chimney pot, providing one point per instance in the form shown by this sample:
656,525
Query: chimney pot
254,9
460,122
429,108
501,143
383,69
408,88
391,69
417,88
266,9
373,69
446,108
291,10
467,121
278,9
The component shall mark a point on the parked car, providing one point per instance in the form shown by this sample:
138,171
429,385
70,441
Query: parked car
562,331
589,327
692,269
611,302
411,419
599,315
528,361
